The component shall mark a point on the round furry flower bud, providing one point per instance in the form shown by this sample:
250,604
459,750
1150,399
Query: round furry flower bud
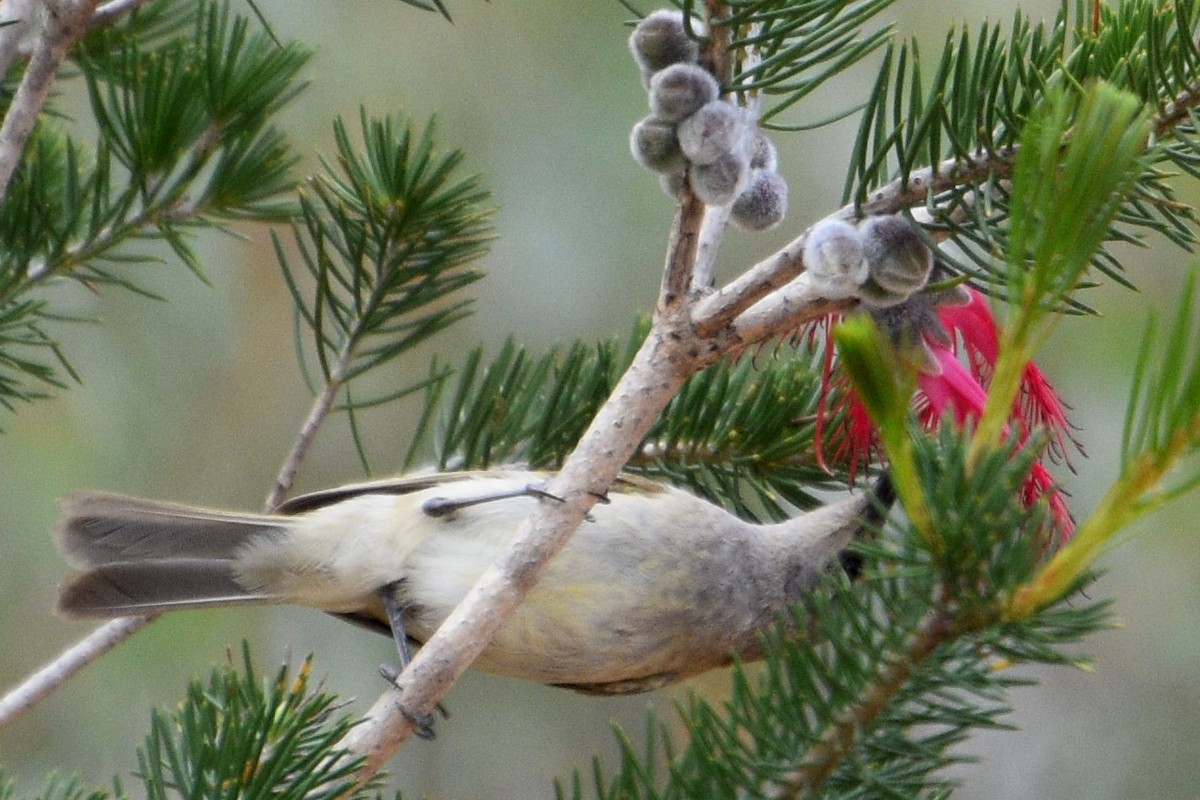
714,130
661,40
763,204
655,146
762,152
719,183
681,90
898,260
833,259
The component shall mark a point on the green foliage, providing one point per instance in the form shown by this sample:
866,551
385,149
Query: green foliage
1163,417
1062,206
236,737
188,117
980,92
57,788
740,433
985,543
743,434
517,407
182,94
1029,150
783,50
1162,430
383,240
867,690
965,118
797,47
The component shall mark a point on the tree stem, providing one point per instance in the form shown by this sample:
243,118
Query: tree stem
63,23
823,759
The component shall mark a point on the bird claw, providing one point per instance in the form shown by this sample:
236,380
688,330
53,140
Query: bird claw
422,723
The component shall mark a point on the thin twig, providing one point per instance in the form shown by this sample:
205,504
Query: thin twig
721,308
716,218
63,23
785,311
41,683
1178,111
679,270
317,414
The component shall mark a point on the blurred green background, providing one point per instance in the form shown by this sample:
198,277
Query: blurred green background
198,399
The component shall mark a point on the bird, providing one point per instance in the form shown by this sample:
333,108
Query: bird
655,586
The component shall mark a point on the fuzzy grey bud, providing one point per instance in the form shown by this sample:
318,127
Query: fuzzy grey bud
763,204
762,152
833,258
898,259
719,183
661,40
681,90
655,146
714,130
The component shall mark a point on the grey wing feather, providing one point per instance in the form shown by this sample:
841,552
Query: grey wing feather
142,556
119,590
406,485
99,528
416,483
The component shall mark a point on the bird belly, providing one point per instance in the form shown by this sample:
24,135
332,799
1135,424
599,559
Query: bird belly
591,620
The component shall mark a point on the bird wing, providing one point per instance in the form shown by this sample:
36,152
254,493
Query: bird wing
627,483
404,485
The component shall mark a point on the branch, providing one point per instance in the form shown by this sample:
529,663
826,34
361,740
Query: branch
671,353
319,412
690,331
712,233
720,309
64,22
1178,111
784,311
840,737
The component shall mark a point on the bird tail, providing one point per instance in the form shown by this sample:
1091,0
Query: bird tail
142,557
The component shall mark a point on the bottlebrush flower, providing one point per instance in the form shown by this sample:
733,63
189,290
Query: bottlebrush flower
940,326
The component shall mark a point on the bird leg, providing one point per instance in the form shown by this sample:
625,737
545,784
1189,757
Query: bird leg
422,724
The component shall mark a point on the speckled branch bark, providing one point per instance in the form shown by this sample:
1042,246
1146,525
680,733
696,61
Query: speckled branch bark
63,23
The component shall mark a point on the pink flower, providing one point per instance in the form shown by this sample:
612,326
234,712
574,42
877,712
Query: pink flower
1038,405
951,387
